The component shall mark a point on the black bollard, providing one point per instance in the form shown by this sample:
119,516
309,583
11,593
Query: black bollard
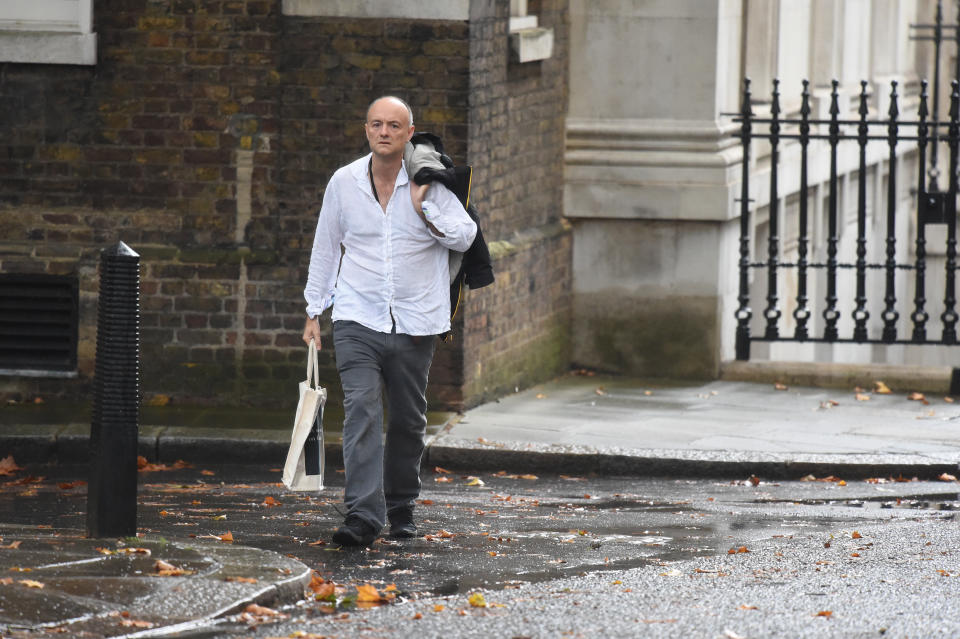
112,489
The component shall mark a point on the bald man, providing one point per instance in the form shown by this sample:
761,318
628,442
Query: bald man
390,298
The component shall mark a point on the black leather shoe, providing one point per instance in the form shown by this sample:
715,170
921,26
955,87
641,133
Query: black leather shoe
355,532
401,524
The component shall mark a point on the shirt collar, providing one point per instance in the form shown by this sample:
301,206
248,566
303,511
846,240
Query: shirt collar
363,179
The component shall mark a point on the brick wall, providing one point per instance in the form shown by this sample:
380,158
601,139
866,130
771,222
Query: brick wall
518,332
203,138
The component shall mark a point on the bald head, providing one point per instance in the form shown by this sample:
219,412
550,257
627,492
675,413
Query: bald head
394,99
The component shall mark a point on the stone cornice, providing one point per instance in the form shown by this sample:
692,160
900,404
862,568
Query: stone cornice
694,143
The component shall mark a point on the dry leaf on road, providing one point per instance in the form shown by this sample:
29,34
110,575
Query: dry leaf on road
368,593
260,611
165,569
8,466
136,623
225,537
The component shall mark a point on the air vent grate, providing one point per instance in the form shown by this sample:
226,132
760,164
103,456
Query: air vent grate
38,322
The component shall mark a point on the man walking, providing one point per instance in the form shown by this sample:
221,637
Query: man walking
380,258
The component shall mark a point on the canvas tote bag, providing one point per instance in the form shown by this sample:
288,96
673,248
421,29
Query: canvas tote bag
304,467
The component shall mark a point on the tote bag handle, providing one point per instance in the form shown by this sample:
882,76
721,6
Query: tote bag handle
313,366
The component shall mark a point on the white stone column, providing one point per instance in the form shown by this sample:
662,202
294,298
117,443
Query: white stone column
652,174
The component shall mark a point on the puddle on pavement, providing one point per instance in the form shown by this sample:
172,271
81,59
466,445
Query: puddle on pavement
925,501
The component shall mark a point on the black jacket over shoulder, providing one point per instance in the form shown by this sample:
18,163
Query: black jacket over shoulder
426,163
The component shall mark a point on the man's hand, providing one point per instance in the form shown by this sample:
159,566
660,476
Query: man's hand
417,193
311,330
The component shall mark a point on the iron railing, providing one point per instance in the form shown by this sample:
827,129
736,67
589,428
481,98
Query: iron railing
933,207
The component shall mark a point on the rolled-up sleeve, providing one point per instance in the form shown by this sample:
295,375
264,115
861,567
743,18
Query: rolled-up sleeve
444,211
325,256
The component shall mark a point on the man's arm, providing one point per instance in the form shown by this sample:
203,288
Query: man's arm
444,216
324,263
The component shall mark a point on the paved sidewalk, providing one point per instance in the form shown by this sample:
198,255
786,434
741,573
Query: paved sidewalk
714,429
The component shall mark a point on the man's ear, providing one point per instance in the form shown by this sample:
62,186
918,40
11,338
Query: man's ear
410,133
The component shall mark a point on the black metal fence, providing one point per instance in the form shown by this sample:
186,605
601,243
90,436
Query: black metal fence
934,206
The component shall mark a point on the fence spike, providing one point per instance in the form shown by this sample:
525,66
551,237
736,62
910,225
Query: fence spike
801,313
771,312
830,314
860,313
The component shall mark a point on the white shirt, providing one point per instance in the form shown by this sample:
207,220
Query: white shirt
393,268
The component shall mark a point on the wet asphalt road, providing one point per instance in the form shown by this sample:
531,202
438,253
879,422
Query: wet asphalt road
576,556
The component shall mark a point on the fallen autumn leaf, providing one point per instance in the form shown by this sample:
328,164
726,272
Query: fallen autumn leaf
368,593
262,611
477,601
8,466
881,389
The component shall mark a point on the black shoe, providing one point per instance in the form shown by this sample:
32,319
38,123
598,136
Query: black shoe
401,524
355,532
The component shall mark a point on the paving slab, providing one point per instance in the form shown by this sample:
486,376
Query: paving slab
60,580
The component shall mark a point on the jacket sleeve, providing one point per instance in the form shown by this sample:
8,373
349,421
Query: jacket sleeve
477,265
325,256
444,211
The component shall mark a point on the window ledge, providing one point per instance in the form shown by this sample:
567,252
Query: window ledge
48,47
529,45
518,23
29,372
420,10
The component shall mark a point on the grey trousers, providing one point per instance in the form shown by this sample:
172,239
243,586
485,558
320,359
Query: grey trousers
382,474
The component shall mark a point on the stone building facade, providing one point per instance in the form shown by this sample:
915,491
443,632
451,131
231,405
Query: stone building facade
202,136
653,180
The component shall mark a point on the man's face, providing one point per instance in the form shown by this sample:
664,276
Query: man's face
388,128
